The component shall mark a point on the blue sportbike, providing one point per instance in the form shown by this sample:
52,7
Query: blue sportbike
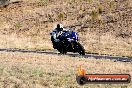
68,42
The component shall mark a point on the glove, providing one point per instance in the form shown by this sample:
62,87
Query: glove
51,33
57,40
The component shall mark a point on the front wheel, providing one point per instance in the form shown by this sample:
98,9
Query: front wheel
62,51
81,49
62,48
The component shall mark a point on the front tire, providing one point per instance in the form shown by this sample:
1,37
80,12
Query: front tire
62,51
62,48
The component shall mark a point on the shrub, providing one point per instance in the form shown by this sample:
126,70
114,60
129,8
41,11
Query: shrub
100,9
43,2
90,1
61,16
18,25
4,2
95,14
111,6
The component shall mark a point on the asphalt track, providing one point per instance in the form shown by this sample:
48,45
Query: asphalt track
54,52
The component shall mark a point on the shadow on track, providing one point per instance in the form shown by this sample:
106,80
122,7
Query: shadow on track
115,58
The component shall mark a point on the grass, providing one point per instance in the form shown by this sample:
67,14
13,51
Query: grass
41,21
43,2
95,14
61,16
90,1
111,6
3,1
18,25
100,9
33,70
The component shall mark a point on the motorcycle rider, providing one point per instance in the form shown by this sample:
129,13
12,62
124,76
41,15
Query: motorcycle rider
60,37
55,33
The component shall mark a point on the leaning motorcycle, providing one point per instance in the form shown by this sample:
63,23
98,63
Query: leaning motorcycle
68,42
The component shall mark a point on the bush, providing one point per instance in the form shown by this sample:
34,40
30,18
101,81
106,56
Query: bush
43,2
61,16
2,2
100,9
95,14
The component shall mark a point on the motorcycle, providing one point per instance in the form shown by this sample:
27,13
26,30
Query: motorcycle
68,42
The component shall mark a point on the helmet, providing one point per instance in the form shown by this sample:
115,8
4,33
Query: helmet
59,27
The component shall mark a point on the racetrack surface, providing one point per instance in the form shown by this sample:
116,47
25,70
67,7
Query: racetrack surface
54,52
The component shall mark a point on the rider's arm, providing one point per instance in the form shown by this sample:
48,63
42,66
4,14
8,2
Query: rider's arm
54,35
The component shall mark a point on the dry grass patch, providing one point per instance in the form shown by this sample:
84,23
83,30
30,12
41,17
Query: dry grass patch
32,70
27,24
106,44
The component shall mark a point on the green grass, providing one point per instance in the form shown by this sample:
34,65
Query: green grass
43,2
95,14
18,25
61,16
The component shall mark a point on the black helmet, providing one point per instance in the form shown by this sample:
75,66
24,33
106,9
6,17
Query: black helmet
58,25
